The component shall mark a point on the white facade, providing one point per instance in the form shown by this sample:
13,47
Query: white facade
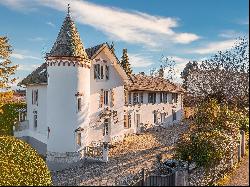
83,102
63,117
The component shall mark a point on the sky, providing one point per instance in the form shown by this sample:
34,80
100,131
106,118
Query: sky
183,30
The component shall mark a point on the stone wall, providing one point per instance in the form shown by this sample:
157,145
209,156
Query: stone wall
68,157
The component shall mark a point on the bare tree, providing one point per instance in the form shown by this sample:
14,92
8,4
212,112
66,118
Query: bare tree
224,76
167,69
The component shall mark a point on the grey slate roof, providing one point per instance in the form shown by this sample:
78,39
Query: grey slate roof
68,42
39,76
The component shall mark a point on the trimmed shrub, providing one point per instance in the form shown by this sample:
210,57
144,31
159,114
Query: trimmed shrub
20,164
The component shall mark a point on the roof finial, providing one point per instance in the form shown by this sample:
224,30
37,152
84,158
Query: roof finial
68,9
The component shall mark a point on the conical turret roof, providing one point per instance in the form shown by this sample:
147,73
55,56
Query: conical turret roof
68,42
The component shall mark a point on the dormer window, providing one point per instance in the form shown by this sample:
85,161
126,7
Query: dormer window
101,72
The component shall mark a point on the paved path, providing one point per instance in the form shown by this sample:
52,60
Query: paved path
241,175
126,160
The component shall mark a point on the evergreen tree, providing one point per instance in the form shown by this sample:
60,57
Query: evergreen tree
125,62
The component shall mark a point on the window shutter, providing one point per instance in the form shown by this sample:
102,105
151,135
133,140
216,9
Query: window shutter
95,71
102,72
37,97
101,99
112,98
126,97
107,72
125,121
32,97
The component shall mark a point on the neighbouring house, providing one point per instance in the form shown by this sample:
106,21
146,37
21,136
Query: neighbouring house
81,97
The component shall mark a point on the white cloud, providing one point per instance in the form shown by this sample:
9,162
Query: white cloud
21,5
243,21
22,56
230,34
214,47
121,25
180,64
50,24
139,60
27,67
185,38
37,39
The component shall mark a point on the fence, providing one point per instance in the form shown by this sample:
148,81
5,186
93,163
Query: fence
95,153
155,180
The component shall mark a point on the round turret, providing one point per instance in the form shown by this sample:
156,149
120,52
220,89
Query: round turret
68,94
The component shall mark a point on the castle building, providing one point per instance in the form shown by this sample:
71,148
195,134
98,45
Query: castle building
82,96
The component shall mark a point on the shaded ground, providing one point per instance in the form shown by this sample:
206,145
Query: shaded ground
126,159
241,175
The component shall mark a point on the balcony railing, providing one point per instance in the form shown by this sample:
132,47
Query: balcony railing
20,126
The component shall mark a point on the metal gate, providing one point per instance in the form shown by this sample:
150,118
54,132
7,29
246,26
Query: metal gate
157,180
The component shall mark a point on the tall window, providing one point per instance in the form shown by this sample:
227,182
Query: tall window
129,120
135,98
97,71
129,98
106,97
141,97
163,97
101,71
174,97
79,104
35,120
107,72
106,127
174,115
35,97
138,119
152,98
79,137
155,117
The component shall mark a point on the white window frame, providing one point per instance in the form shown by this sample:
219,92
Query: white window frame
135,98
152,97
163,97
129,120
101,72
